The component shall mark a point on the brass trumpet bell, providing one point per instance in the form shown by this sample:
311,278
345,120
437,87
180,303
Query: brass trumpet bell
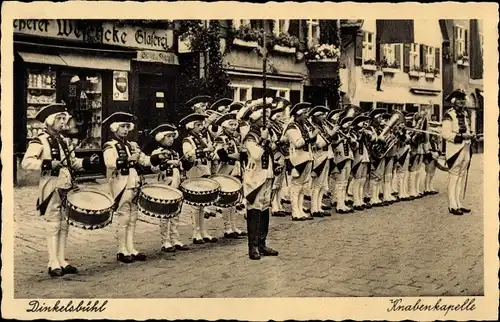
387,139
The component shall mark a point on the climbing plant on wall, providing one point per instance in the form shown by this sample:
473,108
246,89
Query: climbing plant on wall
204,43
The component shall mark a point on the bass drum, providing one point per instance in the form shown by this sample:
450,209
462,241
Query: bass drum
89,208
160,201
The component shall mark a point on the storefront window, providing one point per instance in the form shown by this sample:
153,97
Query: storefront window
82,93
41,91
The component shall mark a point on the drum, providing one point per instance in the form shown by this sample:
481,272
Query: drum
89,208
200,191
230,190
159,200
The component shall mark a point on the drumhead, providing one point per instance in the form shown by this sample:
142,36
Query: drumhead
227,183
161,191
90,199
200,184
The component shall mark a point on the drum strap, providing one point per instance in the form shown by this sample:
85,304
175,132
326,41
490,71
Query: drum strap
118,199
42,207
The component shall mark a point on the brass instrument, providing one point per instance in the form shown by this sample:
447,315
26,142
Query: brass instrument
387,139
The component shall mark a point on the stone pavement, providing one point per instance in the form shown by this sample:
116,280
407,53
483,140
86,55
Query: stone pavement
413,248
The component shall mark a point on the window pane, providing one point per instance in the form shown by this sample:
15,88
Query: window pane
243,93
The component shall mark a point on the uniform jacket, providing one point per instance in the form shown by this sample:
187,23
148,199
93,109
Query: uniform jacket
300,147
227,165
455,123
201,162
120,172
38,157
168,174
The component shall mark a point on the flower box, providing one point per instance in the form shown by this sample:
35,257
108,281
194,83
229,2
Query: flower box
389,70
324,68
369,67
283,49
421,74
244,43
429,75
413,73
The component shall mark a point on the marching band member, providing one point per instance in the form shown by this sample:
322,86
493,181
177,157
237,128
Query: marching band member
403,159
343,160
169,172
333,118
361,159
432,151
321,164
301,140
457,133
258,180
389,168
199,104
49,154
122,158
417,152
197,151
229,164
377,166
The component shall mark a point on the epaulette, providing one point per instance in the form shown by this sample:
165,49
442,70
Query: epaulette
108,145
36,140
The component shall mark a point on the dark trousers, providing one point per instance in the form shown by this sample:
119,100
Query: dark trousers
257,228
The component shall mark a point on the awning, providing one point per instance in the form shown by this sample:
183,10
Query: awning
37,58
96,62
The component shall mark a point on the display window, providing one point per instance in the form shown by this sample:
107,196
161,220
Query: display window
41,91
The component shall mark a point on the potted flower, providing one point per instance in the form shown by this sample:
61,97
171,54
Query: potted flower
370,64
284,43
322,60
390,68
245,36
414,72
429,72
463,59
421,71
436,72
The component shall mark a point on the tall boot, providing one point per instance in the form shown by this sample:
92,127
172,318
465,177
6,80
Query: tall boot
63,237
452,195
228,230
206,236
174,234
131,237
263,231
253,217
54,267
166,246
197,239
233,216
123,254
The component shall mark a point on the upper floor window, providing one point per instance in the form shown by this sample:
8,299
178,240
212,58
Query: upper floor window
237,23
281,26
282,92
368,46
414,56
461,41
430,57
241,93
313,32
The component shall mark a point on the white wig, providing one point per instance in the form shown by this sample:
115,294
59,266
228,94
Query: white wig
160,136
114,126
190,125
260,113
227,123
49,121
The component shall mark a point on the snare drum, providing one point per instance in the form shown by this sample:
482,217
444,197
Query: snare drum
89,208
160,201
200,191
230,190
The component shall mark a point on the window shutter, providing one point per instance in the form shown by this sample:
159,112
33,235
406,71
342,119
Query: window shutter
378,52
423,56
224,26
257,93
397,53
406,57
437,58
455,43
294,28
303,31
466,42
359,49
294,97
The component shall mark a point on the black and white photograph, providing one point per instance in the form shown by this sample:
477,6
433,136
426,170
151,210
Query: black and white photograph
166,158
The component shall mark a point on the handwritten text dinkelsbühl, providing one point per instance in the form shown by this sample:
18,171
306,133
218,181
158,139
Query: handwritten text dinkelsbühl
36,306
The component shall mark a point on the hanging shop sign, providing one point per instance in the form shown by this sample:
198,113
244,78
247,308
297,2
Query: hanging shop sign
157,57
108,33
120,86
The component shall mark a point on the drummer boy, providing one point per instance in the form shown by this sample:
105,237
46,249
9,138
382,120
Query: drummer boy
49,153
169,172
122,158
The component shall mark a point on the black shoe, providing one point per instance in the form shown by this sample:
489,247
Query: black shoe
242,234
279,214
198,241
124,258
465,210
349,202
359,208
267,251
232,235
298,219
326,207
327,214
182,247
334,204
343,211
317,214
210,240
285,202
433,192
56,272
138,257
170,249
380,204
253,254
368,206
366,199
456,212
69,270
307,198
309,218
307,211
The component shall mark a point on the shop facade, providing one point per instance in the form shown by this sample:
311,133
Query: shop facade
95,70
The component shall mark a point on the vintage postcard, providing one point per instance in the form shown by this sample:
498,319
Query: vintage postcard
304,161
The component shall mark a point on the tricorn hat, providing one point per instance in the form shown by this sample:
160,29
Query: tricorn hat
119,117
359,119
50,110
377,111
345,120
456,94
164,128
299,107
222,102
319,109
225,117
198,99
195,117
235,106
330,114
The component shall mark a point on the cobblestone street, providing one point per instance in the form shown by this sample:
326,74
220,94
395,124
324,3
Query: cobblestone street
412,248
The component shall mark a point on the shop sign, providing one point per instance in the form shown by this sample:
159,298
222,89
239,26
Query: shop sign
137,37
120,86
124,36
157,57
